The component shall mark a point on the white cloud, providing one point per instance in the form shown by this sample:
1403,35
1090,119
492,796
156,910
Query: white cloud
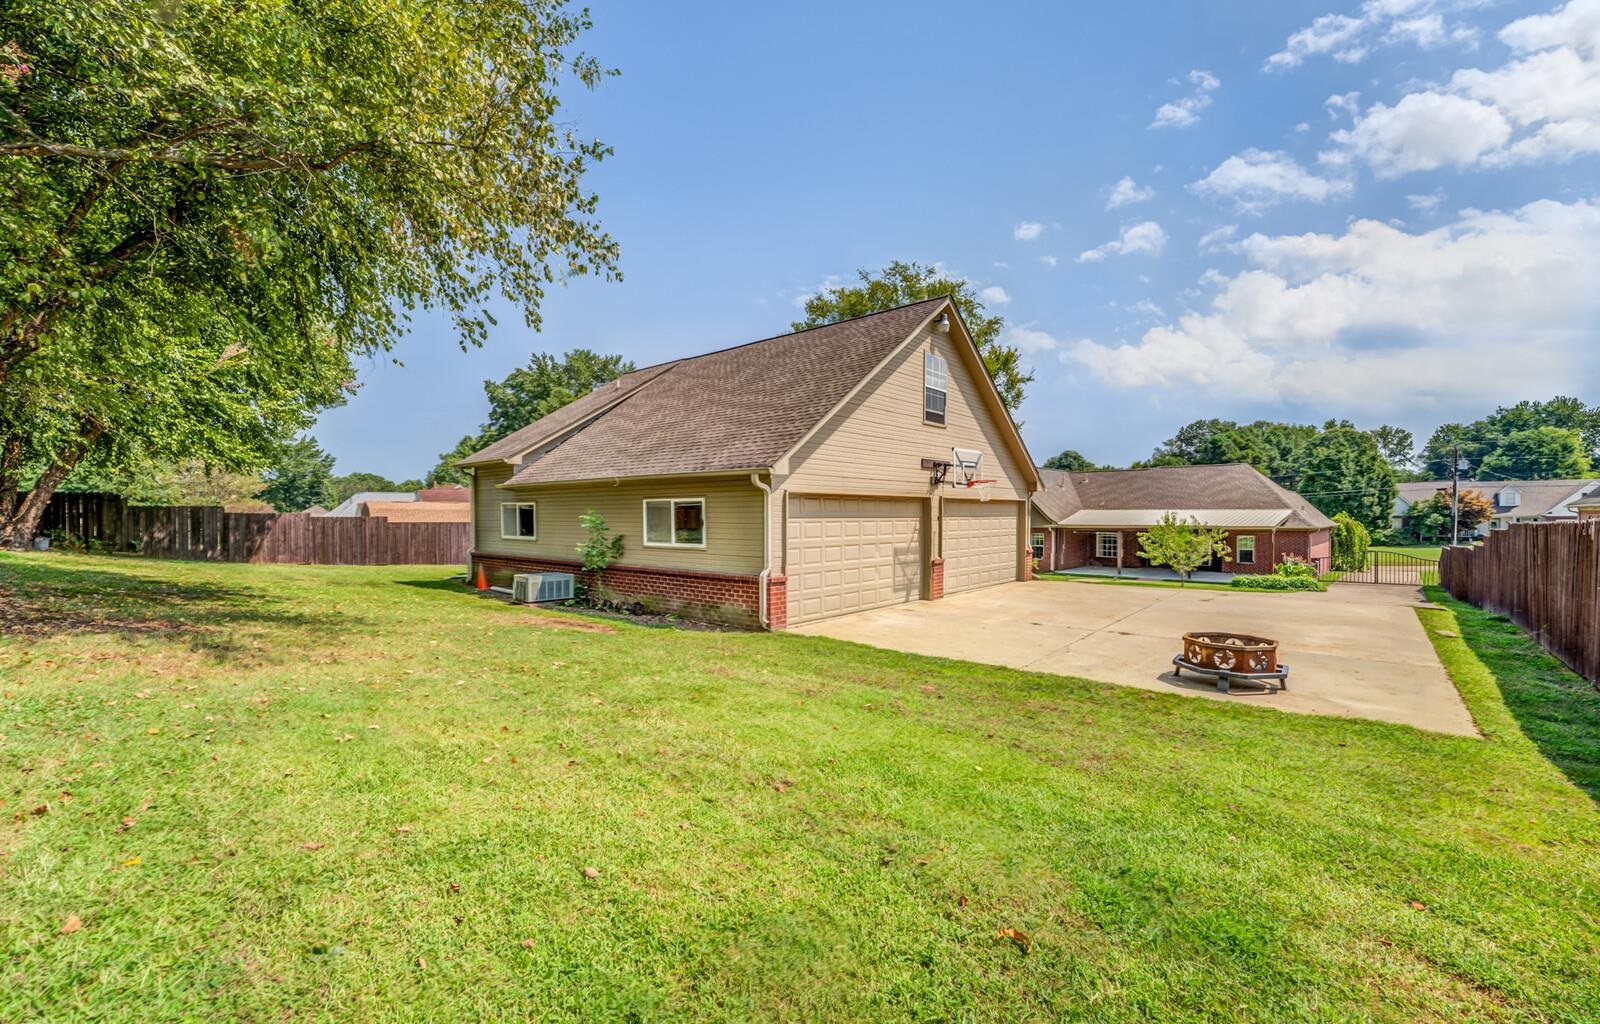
1048,261
1029,339
1379,23
994,295
1217,238
1543,105
1256,179
1343,104
1186,111
1146,237
1128,191
1425,203
1302,320
1027,231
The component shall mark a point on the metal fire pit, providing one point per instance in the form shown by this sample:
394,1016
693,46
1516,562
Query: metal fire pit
1230,656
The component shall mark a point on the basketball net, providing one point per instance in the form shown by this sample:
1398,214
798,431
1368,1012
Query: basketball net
981,487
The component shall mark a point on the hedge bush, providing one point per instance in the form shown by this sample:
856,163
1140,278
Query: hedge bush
1276,583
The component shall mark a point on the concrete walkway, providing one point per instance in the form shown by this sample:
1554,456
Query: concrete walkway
1358,650
1145,572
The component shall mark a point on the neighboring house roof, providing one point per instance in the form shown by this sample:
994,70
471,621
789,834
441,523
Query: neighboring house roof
420,511
1534,497
315,510
1235,495
450,492
351,506
741,408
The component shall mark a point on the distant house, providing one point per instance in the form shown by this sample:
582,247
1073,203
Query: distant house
448,492
1094,519
795,478
1588,507
419,511
1515,501
351,506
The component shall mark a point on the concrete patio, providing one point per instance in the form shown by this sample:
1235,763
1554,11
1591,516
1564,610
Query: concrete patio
1357,651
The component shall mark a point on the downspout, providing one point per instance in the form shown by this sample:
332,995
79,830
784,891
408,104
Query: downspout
766,549
1275,549
472,517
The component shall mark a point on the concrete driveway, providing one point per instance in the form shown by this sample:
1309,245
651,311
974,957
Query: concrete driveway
1357,650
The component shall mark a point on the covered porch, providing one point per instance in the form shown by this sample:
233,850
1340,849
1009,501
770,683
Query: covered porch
1147,572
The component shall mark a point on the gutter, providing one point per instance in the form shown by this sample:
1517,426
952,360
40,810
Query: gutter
766,550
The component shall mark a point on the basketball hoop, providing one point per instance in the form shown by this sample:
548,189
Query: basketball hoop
981,487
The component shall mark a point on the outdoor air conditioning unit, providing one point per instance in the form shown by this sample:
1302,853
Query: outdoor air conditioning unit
538,587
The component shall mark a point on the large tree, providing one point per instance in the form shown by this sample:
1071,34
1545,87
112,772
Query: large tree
301,475
1537,453
1343,471
528,393
1070,460
901,283
209,207
1482,438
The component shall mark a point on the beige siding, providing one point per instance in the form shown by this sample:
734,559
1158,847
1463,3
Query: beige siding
733,519
850,554
982,546
874,444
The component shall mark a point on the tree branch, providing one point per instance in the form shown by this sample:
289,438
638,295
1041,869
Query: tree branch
42,150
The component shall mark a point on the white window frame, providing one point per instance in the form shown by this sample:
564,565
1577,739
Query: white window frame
1038,543
1099,545
519,504
1240,543
929,361
672,512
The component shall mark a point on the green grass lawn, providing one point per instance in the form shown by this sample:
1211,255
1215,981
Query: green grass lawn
362,794
1414,550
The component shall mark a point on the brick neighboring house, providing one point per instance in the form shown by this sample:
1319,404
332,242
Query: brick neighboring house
1083,519
778,482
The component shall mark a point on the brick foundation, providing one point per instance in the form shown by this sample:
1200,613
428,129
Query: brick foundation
936,579
777,602
705,596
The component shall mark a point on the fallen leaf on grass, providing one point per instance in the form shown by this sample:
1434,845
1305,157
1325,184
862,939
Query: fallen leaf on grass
591,872
1418,906
1015,937
42,809
312,846
402,828
153,731
782,785
133,862
127,823
527,943
71,924
422,963
962,901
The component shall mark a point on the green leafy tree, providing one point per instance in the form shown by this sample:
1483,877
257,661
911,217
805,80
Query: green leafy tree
1182,546
210,207
1396,445
599,547
1481,438
1192,444
1070,461
1343,471
300,476
1537,453
529,393
1429,520
354,483
901,283
1350,543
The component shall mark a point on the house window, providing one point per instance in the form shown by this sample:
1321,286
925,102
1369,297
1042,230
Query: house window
1246,550
1108,545
675,523
935,387
519,520
1038,545
1510,497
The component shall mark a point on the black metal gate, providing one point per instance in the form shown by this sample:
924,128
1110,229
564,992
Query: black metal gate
1394,568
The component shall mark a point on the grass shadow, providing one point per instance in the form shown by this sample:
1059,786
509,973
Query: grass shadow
1557,709
44,599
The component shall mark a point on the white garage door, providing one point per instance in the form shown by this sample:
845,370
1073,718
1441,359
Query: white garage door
850,554
981,544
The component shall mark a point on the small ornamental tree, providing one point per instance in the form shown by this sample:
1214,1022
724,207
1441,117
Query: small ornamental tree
1182,546
1350,543
598,549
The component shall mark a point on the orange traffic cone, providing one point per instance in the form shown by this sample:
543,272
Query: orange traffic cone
483,578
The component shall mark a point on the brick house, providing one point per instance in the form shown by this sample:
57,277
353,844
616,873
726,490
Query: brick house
804,476
1083,519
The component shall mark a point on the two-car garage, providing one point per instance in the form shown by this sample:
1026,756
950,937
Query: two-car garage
849,554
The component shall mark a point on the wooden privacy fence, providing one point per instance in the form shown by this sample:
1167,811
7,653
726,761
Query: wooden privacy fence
1545,577
214,535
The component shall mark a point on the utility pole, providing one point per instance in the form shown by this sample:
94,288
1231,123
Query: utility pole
1455,497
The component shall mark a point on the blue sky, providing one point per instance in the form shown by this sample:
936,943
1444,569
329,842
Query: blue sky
1384,211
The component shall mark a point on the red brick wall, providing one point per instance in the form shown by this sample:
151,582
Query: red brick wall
936,579
706,596
777,602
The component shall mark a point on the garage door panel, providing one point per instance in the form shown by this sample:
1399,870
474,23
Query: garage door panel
981,544
851,554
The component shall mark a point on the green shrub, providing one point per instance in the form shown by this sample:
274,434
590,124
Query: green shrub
1276,582
1350,543
1295,567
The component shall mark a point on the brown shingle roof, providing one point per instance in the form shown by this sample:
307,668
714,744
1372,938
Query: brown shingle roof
1235,486
738,408
421,511
564,418
1537,497
447,492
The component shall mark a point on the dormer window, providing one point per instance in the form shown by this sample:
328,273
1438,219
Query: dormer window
935,387
1509,497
